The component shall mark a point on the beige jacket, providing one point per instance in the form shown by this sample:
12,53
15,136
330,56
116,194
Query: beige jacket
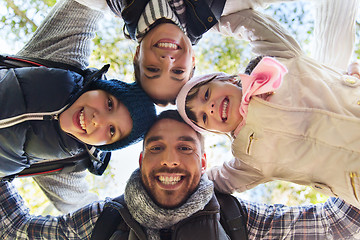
307,132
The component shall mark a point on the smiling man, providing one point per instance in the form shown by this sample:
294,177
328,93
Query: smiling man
170,164
170,197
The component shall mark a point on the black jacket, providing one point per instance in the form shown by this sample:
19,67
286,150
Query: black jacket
201,15
116,222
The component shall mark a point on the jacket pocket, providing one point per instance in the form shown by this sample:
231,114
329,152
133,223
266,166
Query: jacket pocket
324,189
350,81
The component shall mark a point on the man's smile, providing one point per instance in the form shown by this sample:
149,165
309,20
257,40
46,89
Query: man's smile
169,181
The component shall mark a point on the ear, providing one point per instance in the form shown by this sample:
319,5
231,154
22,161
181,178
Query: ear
136,56
140,159
203,163
234,81
193,59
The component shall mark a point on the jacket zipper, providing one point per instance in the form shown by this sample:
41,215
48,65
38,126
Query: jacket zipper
354,175
8,122
251,138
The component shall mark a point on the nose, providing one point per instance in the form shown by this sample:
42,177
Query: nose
167,58
170,159
210,108
97,120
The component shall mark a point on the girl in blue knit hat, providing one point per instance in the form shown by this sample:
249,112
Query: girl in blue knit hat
50,113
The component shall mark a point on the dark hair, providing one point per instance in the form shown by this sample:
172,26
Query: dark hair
252,64
190,96
174,115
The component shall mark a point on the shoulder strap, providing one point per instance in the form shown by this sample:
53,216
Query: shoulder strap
116,222
75,163
108,220
9,61
233,217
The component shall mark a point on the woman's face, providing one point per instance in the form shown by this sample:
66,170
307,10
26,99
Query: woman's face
97,118
216,106
166,60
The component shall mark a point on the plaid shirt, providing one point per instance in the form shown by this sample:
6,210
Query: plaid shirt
331,220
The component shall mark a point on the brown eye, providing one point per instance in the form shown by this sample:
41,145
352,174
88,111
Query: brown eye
112,131
186,149
110,104
178,71
151,69
206,95
156,149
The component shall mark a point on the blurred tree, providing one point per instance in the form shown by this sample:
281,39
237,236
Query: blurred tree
20,19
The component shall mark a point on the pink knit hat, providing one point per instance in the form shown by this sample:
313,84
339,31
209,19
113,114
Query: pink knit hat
181,97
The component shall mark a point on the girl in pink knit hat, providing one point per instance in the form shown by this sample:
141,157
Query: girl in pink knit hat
291,118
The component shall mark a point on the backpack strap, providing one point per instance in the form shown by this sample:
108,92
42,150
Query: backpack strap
10,61
75,163
108,221
233,218
116,222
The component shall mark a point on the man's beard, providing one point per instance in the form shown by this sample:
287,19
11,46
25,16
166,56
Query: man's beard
146,180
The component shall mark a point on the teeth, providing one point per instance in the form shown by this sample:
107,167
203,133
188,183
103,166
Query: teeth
169,180
168,45
82,122
226,103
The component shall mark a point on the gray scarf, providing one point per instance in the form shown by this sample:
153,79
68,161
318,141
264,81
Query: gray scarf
153,217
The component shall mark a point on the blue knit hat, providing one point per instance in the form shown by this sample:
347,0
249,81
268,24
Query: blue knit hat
140,106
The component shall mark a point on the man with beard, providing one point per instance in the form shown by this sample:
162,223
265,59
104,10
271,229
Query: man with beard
170,197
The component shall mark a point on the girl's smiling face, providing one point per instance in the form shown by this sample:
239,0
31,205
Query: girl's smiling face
166,61
97,118
216,106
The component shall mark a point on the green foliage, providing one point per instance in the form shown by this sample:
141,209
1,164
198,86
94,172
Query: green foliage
21,18
34,198
221,54
112,47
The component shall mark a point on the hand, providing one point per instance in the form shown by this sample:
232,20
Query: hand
354,69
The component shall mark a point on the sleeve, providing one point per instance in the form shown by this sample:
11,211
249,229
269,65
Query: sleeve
232,6
68,191
265,35
65,35
333,219
334,32
116,6
235,176
99,5
17,223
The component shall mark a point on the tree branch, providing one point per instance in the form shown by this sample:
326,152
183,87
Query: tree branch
20,13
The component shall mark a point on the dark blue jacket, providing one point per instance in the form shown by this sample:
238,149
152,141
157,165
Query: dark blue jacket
35,90
201,15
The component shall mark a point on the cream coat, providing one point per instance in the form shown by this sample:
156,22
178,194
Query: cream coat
307,132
